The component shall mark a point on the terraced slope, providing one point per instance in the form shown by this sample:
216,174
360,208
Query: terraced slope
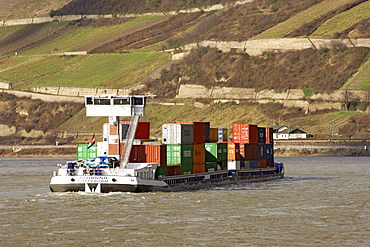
361,80
106,70
343,21
21,37
308,15
18,9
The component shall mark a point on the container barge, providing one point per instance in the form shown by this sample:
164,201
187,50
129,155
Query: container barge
191,155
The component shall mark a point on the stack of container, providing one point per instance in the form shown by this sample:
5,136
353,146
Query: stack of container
194,147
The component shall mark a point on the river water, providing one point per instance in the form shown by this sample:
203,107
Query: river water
322,201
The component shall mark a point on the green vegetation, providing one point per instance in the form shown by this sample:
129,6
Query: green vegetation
343,21
282,29
106,70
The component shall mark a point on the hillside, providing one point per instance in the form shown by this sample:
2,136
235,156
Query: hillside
126,51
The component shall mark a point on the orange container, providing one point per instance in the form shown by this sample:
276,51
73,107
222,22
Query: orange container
233,151
113,149
113,129
199,153
262,164
199,168
269,136
156,154
245,133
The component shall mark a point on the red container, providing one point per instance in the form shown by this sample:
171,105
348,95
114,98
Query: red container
269,136
245,133
142,131
262,164
199,168
156,154
173,170
249,151
201,130
137,154
199,153
233,151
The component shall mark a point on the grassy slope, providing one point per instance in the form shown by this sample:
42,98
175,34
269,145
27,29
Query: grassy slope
308,15
343,21
105,70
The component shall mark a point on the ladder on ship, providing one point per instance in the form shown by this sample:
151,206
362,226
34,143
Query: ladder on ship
130,139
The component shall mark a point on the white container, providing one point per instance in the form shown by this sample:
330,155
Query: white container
177,133
233,165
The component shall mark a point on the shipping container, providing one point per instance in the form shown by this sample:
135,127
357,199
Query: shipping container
270,163
173,170
253,164
249,151
211,166
215,151
269,136
262,164
179,154
142,131
199,153
161,171
200,130
261,151
113,149
84,153
269,151
233,165
113,129
247,164
199,168
233,151
137,154
186,169
156,154
261,135
245,133
177,133
218,134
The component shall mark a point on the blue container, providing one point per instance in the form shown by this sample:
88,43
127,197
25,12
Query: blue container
253,164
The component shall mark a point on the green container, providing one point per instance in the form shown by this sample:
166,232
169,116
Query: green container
179,154
186,169
216,151
211,166
161,171
84,153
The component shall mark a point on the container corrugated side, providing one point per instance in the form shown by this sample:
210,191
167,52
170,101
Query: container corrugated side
173,170
177,133
137,154
179,154
261,135
199,153
261,151
142,131
161,171
269,136
245,133
156,154
186,169
233,151
211,166
215,151
199,168
262,164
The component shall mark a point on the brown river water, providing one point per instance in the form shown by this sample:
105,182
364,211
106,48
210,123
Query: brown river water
322,201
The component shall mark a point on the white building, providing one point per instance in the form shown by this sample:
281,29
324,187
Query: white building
283,133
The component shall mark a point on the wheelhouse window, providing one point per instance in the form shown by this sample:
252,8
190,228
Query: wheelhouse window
89,101
138,101
101,101
121,101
